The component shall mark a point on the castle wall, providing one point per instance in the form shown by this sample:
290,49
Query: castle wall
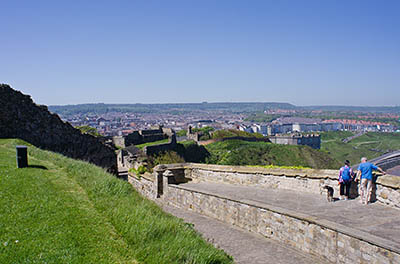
153,149
313,141
145,136
21,118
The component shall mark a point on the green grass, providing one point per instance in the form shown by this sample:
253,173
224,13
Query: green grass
281,167
141,146
238,152
370,145
74,212
225,133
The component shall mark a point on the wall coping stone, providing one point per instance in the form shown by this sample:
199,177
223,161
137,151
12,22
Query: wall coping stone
147,176
363,236
385,180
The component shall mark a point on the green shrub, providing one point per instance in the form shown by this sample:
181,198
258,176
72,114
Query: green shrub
168,157
139,171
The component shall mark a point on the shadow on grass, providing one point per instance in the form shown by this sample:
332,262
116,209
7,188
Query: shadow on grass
38,167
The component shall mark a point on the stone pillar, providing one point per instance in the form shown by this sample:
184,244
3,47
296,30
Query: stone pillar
159,183
160,187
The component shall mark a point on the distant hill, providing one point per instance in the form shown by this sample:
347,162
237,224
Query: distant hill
372,109
178,108
245,107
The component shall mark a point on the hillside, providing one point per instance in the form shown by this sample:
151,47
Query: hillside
370,145
21,118
60,210
237,152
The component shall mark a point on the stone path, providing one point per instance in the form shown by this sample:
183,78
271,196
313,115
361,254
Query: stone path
381,221
244,247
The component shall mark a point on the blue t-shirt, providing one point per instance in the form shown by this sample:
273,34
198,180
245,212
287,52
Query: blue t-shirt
366,170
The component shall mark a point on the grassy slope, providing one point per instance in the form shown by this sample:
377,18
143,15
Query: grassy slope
74,212
163,141
237,152
365,145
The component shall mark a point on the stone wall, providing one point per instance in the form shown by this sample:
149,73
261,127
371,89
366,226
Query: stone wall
145,136
248,139
313,141
144,184
335,242
154,149
331,241
387,188
21,118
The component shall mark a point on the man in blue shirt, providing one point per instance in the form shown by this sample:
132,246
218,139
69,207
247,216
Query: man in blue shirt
365,173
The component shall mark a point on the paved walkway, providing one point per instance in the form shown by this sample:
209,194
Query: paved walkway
381,221
244,247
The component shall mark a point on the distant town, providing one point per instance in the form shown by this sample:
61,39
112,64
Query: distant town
120,120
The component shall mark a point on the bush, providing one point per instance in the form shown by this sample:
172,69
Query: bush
167,157
139,171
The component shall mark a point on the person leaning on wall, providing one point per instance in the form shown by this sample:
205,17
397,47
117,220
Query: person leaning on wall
364,173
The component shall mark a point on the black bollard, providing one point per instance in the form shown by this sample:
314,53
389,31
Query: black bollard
22,156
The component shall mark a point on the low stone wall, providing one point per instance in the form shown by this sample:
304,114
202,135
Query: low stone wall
386,188
145,184
334,242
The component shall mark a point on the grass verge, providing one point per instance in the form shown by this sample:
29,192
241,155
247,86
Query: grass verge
60,210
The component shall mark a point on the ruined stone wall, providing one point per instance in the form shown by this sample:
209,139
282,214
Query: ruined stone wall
119,141
21,118
145,136
154,149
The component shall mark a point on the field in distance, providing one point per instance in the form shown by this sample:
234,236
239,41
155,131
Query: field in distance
370,145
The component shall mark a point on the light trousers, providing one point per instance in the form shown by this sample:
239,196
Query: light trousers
366,188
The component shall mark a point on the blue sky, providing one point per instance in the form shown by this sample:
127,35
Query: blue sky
301,52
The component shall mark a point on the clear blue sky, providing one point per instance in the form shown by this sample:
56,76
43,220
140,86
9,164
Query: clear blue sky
301,52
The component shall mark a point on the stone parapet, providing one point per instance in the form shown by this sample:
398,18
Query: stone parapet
145,184
334,242
386,188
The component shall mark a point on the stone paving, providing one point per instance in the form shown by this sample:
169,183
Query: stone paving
376,219
244,247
